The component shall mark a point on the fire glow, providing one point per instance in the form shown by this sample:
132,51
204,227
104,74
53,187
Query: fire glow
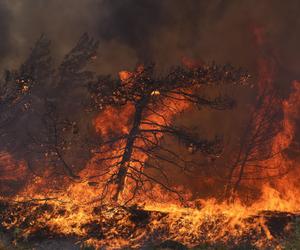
108,208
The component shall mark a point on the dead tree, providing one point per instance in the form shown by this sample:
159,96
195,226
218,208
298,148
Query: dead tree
17,85
255,144
60,134
35,101
151,95
51,145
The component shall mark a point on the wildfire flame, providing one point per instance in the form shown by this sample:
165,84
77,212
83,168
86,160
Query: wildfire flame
76,210
73,212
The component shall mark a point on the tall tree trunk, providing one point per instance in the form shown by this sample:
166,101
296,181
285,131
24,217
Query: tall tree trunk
243,153
126,158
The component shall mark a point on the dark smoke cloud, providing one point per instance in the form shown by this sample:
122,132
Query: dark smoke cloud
62,21
132,23
164,31
4,31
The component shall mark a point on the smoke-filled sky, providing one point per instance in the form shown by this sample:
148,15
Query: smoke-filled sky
163,31
132,31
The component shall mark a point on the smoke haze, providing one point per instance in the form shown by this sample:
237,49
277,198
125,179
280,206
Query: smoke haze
132,31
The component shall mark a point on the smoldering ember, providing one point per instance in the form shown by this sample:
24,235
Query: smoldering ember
149,124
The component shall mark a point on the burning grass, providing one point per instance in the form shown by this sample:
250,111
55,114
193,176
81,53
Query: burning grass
106,227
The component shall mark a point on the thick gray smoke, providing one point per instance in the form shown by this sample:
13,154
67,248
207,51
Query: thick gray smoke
4,31
164,31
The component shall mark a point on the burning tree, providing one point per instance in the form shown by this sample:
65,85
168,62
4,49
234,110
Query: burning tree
17,86
17,91
258,147
62,134
34,119
255,143
151,102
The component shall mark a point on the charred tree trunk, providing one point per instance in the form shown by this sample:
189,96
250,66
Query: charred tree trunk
256,142
231,188
125,161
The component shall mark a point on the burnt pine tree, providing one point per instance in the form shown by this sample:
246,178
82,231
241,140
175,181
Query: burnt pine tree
16,86
61,134
151,95
34,107
255,144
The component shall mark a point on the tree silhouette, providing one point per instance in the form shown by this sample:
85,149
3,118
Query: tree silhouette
153,98
34,104
61,134
255,145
